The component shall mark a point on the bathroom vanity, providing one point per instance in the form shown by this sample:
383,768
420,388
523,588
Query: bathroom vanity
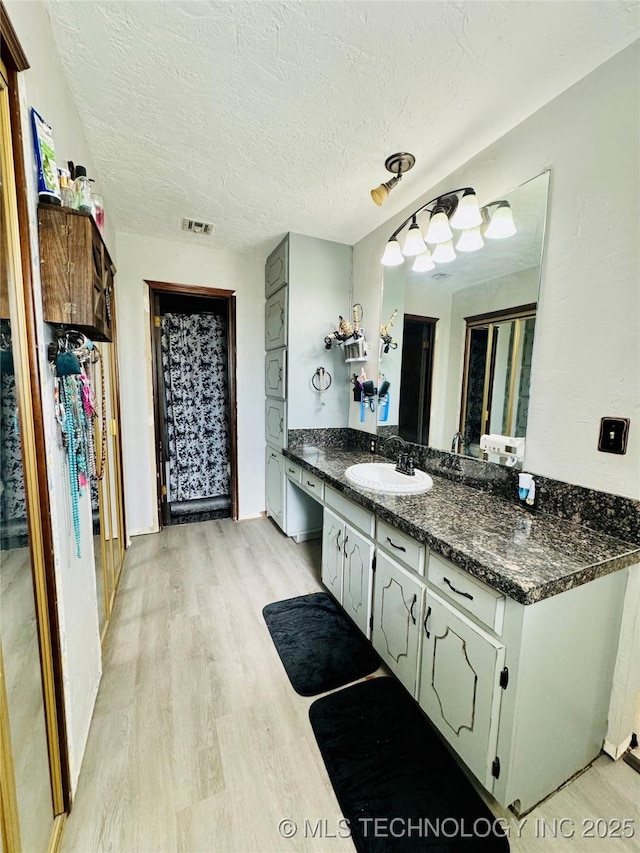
503,624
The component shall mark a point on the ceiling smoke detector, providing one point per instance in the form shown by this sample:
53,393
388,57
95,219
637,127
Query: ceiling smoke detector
195,226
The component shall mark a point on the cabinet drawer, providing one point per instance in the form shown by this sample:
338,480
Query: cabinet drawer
355,514
293,471
313,485
483,602
404,548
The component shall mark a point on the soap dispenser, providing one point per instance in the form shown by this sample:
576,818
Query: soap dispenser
527,489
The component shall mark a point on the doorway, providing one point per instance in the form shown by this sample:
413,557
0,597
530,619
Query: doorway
414,415
193,335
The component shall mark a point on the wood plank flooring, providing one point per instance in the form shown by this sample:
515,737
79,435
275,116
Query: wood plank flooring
198,741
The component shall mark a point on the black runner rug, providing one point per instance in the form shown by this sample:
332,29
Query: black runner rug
318,644
396,783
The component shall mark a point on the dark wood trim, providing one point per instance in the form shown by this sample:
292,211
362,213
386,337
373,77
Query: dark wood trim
233,411
158,391
418,318
189,289
12,53
506,314
157,287
38,425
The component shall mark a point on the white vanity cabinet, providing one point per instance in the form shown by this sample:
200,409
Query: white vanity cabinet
398,610
347,559
460,684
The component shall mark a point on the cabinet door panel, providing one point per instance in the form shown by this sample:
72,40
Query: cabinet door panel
276,320
275,484
397,613
459,684
276,271
81,270
274,373
357,581
332,554
274,423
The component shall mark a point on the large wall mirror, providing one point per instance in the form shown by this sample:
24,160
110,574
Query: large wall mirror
458,347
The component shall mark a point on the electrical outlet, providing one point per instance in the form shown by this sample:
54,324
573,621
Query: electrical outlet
373,445
614,433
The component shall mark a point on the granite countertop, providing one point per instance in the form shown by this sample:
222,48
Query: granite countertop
527,555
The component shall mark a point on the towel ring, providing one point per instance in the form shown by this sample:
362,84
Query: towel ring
319,373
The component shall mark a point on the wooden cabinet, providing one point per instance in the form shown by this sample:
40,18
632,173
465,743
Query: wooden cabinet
398,607
347,568
77,272
460,684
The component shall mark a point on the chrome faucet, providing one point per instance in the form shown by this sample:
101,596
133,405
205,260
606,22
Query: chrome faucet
404,464
455,444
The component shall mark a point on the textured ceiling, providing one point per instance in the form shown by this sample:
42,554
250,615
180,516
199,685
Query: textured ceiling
265,117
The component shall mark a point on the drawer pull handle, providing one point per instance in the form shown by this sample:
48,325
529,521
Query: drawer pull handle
458,591
310,484
426,620
291,470
397,547
413,604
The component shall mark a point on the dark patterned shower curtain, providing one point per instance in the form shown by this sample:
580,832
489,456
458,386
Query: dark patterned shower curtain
194,365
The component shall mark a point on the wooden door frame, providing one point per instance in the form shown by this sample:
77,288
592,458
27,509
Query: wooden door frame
155,289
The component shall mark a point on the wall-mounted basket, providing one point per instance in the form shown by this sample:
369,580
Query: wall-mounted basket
355,349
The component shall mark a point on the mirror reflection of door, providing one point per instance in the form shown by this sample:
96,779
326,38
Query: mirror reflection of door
497,376
414,414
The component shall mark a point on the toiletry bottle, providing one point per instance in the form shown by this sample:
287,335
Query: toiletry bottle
66,188
82,190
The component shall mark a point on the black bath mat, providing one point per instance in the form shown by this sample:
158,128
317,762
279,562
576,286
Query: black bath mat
396,783
319,645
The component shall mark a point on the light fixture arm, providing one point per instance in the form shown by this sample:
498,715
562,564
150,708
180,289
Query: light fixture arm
435,201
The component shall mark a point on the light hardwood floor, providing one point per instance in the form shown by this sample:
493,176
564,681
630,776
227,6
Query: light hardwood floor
198,741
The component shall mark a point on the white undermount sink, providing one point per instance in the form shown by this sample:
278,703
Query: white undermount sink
383,477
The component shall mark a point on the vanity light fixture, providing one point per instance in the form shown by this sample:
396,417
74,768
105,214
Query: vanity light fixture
501,223
456,210
398,164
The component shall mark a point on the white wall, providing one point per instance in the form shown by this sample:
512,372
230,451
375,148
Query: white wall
141,258
44,87
319,293
585,359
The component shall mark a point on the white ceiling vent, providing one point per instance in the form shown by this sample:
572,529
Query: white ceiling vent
197,227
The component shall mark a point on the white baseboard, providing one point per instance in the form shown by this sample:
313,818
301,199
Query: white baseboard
617,751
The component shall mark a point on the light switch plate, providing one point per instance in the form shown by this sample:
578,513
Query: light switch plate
614,434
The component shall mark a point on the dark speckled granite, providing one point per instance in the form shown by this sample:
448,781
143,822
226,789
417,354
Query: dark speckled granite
611,514
528,555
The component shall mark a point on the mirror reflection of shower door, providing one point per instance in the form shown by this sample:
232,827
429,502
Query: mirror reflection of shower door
414,414
497,374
